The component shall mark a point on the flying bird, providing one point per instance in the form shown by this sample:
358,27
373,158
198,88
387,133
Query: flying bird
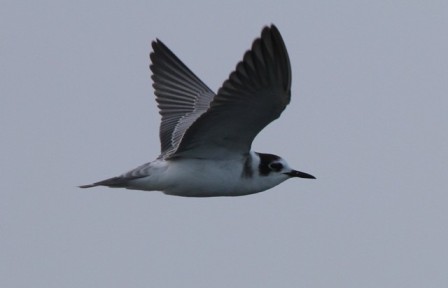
205,137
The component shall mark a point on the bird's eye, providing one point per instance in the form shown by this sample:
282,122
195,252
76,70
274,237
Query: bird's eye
276,166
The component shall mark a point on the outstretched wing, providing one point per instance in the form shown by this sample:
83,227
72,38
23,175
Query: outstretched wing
254,95
181,96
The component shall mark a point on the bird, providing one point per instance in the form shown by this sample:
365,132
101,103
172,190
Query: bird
206,138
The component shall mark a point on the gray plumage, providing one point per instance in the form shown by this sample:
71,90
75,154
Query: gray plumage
195,121
216,130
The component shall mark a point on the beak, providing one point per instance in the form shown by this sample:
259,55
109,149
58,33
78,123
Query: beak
295,173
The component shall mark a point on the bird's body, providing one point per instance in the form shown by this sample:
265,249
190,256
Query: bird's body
206,138
201,177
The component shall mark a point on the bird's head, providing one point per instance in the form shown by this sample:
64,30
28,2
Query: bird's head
274,166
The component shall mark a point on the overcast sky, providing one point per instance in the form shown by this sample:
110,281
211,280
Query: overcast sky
368,118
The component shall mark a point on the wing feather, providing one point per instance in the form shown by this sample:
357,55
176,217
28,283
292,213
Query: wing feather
181,96
254,95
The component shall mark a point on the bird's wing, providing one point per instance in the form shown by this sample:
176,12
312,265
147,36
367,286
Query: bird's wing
254,95
181,96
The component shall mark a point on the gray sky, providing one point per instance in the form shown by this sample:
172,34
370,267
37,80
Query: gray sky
368,117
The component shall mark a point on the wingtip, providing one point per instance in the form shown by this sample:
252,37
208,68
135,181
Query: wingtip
272,28
154,45
157,44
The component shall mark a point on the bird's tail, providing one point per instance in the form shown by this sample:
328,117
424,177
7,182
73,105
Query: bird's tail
114,182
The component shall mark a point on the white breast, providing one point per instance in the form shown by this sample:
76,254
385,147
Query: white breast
203,178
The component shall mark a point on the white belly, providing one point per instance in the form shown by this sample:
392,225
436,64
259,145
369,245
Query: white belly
201,178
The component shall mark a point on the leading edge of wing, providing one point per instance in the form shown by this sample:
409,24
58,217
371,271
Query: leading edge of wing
254,95
181,96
